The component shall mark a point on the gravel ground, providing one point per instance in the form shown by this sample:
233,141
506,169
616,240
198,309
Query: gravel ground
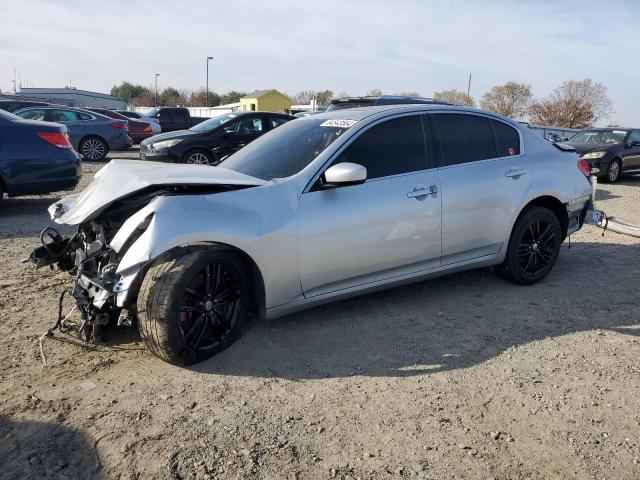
461,377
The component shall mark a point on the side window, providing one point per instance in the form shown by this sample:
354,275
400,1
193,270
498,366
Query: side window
465,138
84,116
33,115
246,126
63,116
277,121
507,139
182,115
390,148
634,137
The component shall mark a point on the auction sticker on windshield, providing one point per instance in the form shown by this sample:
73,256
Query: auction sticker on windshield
339,123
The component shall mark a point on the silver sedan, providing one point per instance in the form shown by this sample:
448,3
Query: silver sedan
325,207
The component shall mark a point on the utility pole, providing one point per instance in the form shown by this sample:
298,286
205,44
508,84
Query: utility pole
207,88
156,99
469,85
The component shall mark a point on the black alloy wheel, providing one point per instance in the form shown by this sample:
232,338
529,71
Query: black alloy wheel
534,246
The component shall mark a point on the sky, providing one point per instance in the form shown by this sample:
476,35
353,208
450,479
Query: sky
345,46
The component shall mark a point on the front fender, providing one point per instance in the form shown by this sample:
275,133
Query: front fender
262,228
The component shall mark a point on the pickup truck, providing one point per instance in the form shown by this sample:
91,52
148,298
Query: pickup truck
174,118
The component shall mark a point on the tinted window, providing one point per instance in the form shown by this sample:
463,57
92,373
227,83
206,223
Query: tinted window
182,115
393,147
465,138
634,137
32,115
277,121
507,139
245,126
63,116
84,116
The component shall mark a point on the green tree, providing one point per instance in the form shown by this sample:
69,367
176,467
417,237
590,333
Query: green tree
171,97
128,91
231,97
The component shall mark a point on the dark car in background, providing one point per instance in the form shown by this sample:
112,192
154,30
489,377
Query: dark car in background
155,126
91,134
614,151
138,130
15,105
174,118
35,157
209,142
355,102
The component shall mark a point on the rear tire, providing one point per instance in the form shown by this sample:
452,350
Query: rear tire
94,149
534,246
193,304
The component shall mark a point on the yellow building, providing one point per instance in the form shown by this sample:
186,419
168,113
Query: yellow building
265,101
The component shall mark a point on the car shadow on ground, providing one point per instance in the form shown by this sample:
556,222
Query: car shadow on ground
43,450
442,324
26,217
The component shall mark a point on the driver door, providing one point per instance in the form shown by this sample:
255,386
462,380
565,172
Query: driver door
387,227
631,153
239,133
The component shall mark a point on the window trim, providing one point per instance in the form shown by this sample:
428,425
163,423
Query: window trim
440,156
430,166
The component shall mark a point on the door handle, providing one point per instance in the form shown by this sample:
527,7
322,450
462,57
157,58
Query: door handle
515,172
421,191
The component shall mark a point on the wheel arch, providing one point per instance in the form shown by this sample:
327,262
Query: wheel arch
551,203
93,135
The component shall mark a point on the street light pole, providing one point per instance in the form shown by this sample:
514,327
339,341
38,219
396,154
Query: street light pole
207,88
156,99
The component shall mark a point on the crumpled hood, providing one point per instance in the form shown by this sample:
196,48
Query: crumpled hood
120,178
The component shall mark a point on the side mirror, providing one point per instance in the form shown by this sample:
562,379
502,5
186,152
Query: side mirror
343,174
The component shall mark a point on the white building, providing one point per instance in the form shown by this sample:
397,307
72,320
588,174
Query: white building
79,98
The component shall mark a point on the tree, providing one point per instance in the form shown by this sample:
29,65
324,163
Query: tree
128,91
199,98
324,97
455,97
231,97
171,97
376,92
409,93
304,97
510,99
574,104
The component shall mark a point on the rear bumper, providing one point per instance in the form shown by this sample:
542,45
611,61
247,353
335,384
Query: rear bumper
121,143
139,137
576,211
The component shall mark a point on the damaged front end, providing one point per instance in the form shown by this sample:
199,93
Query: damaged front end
111,214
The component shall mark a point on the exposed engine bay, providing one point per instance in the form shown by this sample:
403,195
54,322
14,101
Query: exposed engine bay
90,258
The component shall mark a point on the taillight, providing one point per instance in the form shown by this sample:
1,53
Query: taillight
123,126
584,167
56,139
147,129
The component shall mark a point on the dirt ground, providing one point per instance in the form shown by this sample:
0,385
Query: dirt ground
467,376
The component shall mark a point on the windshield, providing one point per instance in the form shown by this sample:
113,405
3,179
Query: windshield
153,113
599,136
212,123
288,149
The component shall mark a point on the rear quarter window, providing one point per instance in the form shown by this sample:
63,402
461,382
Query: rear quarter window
465,138
507,139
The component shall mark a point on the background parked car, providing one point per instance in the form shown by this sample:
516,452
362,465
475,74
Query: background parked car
355,102
209,142
138,130
91,134
15,105
35,157
174,118
614,151
155,126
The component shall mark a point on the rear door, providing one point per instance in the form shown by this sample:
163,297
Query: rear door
484,176
387,227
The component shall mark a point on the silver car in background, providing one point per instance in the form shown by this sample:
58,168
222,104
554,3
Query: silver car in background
325,207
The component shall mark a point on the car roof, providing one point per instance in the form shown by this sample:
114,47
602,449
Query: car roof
360,113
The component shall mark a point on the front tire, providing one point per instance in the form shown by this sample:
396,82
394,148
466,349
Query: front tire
534,246
193,304
198,157
614,170
94,149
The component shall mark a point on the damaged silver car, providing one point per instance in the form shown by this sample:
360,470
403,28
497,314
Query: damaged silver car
325,207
